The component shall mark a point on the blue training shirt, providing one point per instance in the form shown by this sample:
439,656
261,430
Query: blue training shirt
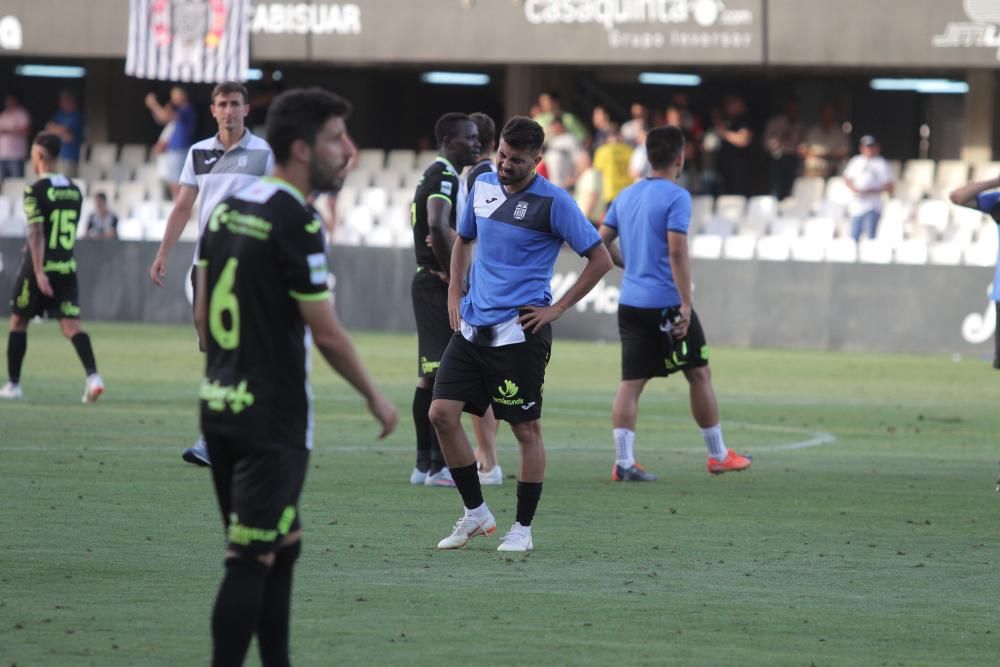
989,202
519,239
642,215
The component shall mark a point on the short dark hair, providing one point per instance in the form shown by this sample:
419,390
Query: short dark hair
522,133
49,141
664,145
447,125
100,195
487,129
227,87
299,114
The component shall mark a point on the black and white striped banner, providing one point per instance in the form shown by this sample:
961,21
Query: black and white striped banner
198,41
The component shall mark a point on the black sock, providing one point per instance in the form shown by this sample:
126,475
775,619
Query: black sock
17,345
272,628
422,424
467,482
81,342
528,494
237,610
437,458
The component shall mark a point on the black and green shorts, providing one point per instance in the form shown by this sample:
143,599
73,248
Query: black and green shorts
648,351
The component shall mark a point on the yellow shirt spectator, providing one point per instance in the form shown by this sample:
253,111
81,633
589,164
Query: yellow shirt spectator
612,159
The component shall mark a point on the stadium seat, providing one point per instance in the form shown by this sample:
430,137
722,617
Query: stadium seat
397,218
788,227
360,219
347,199
345,235
13,225
401,159
807,192
909,192
719,227
892,223
376,199
983,251
706,246
379,236
404,239
119,173
875,251
831,209
842,249
401,197
129,196
425,157
774,248
984,171
912,251
919,173
896,168
741,246
13,189
701,210
950,175
387,178
761,210
965,222
837,191
819,229
935,214
371,159
808,249
947,253
359,178
103,153
411,178
154,229
730,207
133,155
190,232
90,171
131,229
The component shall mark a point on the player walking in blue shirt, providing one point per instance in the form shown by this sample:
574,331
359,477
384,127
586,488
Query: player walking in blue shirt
659,329
497,356
975,195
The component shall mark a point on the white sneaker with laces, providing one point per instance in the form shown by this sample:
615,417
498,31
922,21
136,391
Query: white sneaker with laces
467,527
418,477
441,478
518,538
10,390
492,478
93,389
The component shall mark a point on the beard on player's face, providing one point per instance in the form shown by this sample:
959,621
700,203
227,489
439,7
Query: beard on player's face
325,176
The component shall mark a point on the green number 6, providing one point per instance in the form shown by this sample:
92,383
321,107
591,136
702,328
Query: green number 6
224,301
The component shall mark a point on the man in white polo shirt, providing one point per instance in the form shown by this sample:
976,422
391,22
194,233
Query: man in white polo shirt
216,168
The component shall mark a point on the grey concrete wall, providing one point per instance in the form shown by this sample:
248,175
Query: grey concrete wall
858,307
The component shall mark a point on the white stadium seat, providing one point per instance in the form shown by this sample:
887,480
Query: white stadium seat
912,251
774,248
730,207
131,229
133,155
371,159
947,253
103,153
842,249
741,246
875,251
701,209
808,249
706,246
401,159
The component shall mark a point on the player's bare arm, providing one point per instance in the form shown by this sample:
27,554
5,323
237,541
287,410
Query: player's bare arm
598,263
438,212
608,236
36,244
461,250
680,267
176,222
337,348
966,195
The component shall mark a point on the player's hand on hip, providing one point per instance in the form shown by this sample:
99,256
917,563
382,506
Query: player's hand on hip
158,271
385,413
442,276
534,318
680,327
43,284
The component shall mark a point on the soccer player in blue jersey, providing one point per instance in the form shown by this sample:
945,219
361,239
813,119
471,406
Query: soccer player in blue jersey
659,329
975,195
503,338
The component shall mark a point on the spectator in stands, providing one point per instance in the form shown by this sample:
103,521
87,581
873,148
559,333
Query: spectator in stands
550,108
67,122
561,148
601,118
637,124
689,122
587,191
612,160
181,114
783,135
711,142
102,223
868,176
15,124
638,164
974,195
734,152
688,175
826,144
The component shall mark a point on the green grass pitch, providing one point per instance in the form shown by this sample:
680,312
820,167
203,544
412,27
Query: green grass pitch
865,533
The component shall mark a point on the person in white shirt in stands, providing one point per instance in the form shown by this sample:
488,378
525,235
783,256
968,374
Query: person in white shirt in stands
15,124
102,223
217,168
868,176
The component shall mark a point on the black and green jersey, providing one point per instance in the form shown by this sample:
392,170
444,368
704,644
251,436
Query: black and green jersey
439,180
53,201
263,252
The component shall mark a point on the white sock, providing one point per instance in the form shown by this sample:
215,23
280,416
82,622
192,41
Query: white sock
623,447
714,443
478,513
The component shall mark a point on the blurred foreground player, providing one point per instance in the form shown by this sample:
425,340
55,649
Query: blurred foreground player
46,281
261,297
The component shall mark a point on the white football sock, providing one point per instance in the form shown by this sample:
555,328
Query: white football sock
714,443
623,447
480,512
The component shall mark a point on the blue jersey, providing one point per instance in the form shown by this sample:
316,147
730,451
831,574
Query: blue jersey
642,215
989,202
519,239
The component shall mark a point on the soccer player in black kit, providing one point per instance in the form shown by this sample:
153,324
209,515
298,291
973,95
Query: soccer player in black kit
433,216
261,297
46,281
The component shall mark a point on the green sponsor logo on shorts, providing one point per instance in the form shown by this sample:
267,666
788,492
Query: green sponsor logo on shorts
244,535
24,298
217,396
68,309
428,366
508,390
